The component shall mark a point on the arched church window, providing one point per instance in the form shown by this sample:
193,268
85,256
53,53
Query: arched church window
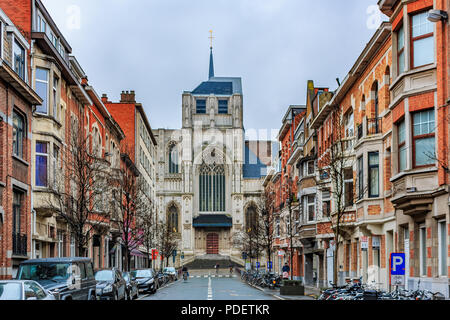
173,218
173,159
251,219
212,188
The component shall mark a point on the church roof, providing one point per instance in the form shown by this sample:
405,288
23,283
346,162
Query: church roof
212,220
219,86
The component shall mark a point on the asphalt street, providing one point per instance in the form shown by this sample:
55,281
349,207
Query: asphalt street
205,287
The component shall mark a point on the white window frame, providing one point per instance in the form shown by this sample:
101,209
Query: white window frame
443,247
423,250
55,96
19,43
46,155
47,85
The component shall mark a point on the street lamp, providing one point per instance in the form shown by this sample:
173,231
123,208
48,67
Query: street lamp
437,15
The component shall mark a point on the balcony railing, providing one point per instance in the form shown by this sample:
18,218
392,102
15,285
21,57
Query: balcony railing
19,244
374,126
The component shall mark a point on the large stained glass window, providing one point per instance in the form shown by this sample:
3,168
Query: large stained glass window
212,188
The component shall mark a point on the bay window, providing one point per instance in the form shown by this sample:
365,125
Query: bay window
42,89
55,97
424,138
41,164
422,40
400,50
360,178
402,146
374,175
309,207
348,187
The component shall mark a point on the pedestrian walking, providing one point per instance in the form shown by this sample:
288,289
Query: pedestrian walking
217,268
286,270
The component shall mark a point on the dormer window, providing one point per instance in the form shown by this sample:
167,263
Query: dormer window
201,106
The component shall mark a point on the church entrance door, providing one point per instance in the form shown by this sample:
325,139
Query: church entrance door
212,243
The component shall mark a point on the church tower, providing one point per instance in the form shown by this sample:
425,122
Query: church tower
201,188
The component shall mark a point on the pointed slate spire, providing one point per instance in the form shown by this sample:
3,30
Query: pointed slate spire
211,65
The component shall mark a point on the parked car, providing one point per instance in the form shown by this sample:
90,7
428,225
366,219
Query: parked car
67,278
110,284
146,279
171,272
162,279
23,290
132,286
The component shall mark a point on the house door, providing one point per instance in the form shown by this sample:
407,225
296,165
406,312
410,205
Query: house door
212,243
330,269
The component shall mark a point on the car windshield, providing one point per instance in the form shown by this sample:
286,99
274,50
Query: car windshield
104,275
10,291
141,273
126,276
170,269
44,271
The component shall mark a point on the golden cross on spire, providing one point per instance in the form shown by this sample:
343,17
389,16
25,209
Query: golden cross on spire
211,38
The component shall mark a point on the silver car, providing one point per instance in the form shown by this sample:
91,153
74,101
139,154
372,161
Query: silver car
23,290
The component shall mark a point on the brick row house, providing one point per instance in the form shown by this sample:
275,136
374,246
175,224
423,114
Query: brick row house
49,100
390,118
17,102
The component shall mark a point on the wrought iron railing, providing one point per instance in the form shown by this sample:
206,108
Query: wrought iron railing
19,244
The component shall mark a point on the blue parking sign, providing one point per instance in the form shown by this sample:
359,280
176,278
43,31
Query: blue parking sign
269,265
397,264
258,265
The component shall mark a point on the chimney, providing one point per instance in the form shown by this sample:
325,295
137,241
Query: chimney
127,97
84,81
104,98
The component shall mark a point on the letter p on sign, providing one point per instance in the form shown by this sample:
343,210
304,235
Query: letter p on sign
398,264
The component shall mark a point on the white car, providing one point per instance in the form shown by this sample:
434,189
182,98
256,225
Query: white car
171,272
23,290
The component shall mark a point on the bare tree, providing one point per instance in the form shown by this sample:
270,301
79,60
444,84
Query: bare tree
266,224
289,224
254,238
337,161
131,199
146,220
80,192
167,240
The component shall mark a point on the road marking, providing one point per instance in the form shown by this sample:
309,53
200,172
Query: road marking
210,297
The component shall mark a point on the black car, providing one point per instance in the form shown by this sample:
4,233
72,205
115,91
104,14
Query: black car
146,279
110,284
66,278
132,286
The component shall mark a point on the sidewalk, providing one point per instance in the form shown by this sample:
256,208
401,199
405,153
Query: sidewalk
311,293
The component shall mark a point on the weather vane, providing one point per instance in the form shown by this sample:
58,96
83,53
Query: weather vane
211,37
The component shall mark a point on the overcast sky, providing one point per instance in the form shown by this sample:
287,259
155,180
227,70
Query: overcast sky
160,48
